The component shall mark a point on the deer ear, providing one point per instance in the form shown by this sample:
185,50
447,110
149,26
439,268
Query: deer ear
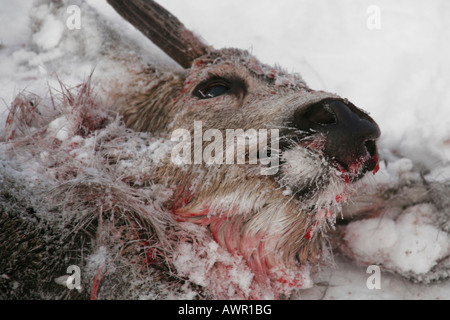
163,29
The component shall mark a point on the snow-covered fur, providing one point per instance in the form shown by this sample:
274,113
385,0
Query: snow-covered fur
90,182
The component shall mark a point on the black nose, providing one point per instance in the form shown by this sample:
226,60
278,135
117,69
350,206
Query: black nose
349,133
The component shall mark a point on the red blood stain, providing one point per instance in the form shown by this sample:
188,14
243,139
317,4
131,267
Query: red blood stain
377,166
339,197
308,233
198,62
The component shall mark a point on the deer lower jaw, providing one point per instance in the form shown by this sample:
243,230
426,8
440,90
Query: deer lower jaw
276,236
270,256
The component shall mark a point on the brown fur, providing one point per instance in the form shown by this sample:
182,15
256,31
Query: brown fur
142,213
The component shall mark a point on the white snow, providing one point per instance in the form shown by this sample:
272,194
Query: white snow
50,33
410,243
60,128
400,73
369,237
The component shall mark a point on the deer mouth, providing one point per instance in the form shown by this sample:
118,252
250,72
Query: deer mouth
309,172
355,166
359,165
317,166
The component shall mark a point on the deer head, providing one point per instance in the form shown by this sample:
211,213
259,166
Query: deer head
325,145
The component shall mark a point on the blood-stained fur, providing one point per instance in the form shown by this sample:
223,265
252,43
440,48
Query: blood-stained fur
104,193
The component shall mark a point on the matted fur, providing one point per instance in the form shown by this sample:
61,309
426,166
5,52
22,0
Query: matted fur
90,183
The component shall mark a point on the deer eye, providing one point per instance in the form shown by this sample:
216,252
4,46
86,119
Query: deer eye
212,88
215,91
218,86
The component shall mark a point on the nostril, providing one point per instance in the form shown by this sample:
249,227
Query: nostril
321,114
371,147
315,117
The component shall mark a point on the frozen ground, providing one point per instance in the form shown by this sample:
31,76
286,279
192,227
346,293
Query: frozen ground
400,73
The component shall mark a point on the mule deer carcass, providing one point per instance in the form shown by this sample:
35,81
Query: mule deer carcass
217,181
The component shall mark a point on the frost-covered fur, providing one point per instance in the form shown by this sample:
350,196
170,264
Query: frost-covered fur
90,183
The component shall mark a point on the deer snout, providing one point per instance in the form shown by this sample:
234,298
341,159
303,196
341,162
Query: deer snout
349,134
